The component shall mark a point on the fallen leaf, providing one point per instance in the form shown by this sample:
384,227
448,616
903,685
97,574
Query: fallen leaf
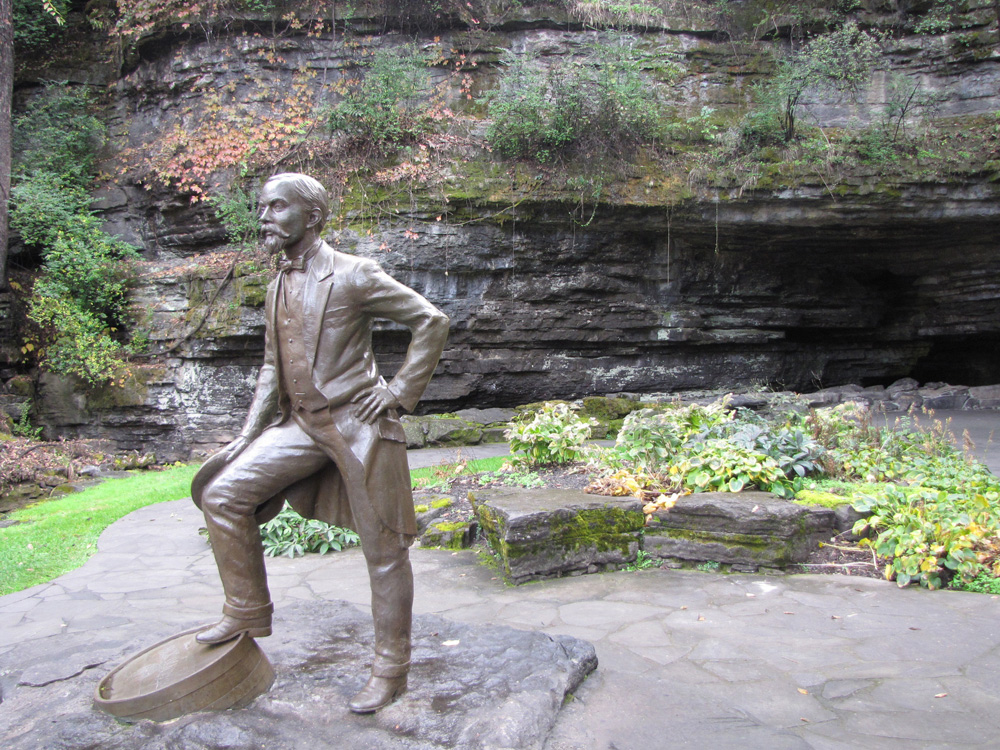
683,607
941,695
701,618
803,691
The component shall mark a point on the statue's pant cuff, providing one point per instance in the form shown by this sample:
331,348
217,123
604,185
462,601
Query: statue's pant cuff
384,668
247,613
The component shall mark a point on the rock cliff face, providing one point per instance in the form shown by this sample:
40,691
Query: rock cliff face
799,277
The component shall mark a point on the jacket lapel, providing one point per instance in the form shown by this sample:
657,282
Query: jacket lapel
316,293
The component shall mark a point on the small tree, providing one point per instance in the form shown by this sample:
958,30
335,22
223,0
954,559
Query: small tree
78,303
904,96
840,61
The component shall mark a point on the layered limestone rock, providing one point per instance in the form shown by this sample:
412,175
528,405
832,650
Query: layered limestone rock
559,286
746,529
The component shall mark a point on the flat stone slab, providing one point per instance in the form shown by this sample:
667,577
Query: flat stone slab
545,533
753,529
484,686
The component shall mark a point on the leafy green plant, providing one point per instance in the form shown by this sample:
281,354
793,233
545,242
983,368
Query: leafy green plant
604,103
23,427
929,535
37,23
59,134
712,448
932,510
723,466
237,210
841,61
44,204
650,438
983,583
938,18
388,106
700,127
79,301
554,434
291,535
643,561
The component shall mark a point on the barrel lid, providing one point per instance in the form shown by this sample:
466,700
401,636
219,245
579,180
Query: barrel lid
179,675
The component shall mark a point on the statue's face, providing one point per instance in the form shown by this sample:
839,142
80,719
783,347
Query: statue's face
284,216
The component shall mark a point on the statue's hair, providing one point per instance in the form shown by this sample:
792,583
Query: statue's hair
309,190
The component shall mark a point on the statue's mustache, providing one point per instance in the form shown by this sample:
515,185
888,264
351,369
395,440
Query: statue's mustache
271,229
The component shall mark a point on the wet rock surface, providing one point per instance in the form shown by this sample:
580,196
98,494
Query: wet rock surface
548,533
471,686
749,529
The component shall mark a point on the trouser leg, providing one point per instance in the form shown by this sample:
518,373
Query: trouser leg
276,459
239,555
392,603
386,552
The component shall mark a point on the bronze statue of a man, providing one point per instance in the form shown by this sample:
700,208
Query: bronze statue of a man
323,430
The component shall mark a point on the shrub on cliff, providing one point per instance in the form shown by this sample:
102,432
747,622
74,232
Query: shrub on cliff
598,104
840,61
37,23
78,303
387,106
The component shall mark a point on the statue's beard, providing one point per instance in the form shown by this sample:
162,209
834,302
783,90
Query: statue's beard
274,239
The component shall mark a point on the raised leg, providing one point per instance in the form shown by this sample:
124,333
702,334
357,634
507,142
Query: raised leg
279,457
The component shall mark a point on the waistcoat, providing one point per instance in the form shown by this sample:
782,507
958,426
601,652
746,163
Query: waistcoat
296,373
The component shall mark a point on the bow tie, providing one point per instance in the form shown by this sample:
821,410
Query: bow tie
295,264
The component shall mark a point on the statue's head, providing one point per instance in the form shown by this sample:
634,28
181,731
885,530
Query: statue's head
293,207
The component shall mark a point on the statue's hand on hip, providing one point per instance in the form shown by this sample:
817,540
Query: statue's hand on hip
372,403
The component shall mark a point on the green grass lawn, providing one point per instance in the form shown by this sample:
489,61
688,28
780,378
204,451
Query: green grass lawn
56,536
429,477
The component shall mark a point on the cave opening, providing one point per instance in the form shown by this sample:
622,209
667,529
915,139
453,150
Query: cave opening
971,360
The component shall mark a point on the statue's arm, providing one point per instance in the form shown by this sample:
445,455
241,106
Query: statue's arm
264,406
384,297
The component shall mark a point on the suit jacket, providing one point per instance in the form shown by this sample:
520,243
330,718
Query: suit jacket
342,295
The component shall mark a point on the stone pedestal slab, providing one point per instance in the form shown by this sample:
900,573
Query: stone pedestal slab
473,687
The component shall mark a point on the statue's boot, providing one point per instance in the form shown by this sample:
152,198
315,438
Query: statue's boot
378,693
392,606
232,625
